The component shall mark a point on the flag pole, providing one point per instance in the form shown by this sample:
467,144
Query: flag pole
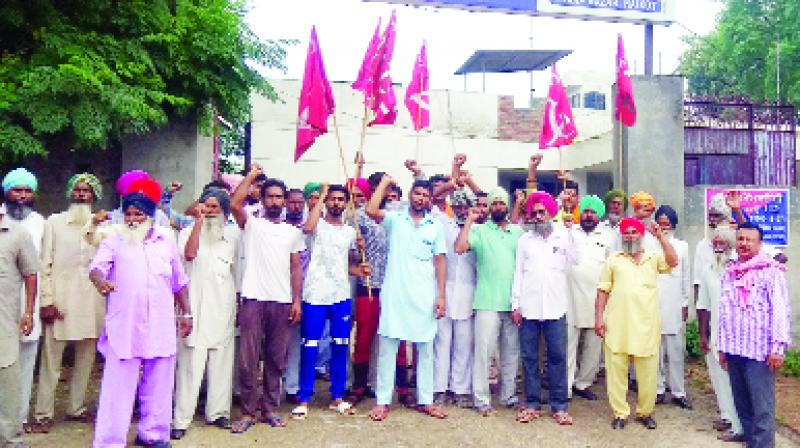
351,204
561,167
621,179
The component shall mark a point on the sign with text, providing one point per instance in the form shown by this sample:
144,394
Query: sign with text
767,208
637,11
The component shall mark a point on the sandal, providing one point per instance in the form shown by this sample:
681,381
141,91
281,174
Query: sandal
486,411
562,418
241,426
342,407
27,428
221,423
300,412
42,425
527,415
379,413
274,421
85,417
432,410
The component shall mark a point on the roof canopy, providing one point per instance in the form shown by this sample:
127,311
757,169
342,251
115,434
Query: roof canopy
509,61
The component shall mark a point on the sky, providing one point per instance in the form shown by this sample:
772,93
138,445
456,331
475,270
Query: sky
344,28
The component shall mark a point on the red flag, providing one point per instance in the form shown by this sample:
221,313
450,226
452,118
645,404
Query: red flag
364,73
417,95
625,110
558,126
316,100
378,90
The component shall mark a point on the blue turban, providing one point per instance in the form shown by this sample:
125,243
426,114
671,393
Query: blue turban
19,177
670,213
220,195
141,202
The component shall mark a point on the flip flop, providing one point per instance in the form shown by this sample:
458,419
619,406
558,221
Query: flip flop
486,411
432,410
562,418
241,426
379,413
527,415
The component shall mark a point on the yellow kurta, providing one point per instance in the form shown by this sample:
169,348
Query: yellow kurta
633,324
65,283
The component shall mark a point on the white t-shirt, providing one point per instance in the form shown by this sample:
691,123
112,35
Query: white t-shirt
268,247
327,281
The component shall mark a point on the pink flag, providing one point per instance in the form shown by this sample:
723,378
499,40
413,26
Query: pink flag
417,95
316,100
362,81
379,92
625,110
558,126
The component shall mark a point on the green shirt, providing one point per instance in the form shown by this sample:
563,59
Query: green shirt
496,252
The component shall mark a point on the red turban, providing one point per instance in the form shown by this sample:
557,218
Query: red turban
544,198
360,183
147,187
631,222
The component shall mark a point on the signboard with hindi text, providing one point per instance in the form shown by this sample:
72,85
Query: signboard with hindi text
660,12
767,208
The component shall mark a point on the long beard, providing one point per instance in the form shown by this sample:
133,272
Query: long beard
632,247
135,232
212,229
79,213
18,210
721,261
613,219
542,228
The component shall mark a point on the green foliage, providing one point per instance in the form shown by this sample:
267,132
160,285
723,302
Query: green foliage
231,150
693,340
791,363
739,58
89,71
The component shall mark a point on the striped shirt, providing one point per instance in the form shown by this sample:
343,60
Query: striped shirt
760,325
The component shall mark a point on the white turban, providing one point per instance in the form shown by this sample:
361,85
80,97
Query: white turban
718,205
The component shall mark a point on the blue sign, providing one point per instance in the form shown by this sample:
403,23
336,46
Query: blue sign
617,5
766,208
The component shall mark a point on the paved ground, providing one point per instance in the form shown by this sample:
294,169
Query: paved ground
323,428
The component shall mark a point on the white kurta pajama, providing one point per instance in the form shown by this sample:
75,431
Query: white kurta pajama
210,347
708,299
673,296
453,346
592,250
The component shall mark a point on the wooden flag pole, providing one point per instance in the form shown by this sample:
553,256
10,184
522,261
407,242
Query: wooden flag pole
351,204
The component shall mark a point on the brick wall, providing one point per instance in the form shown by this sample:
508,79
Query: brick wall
521,125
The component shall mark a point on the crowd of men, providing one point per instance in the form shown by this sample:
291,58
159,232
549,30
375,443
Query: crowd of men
257,288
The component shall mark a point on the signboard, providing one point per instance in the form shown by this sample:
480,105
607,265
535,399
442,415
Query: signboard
636,11
767,208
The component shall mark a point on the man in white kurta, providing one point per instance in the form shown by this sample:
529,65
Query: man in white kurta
19,188
452,348
71,308
594,244
673,299
209,249
709,276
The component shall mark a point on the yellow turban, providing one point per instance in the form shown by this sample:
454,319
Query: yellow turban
641,198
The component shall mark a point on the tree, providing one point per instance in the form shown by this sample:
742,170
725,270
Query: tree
92,71
740,57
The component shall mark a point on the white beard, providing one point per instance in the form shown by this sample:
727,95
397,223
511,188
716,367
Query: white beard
632,247
212,230
721,261
135,233
79,213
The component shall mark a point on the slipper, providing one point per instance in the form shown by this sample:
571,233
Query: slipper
241,426
527,415
42,426
379,413
274,421
343,408
300,412
432,410
562,418
221,423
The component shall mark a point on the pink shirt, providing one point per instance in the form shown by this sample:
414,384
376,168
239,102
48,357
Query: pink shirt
140,314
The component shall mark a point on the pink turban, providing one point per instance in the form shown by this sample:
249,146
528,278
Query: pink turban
631,222
544,198
360,183
126,180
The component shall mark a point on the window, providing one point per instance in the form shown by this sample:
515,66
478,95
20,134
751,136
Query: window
575,101
594,100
